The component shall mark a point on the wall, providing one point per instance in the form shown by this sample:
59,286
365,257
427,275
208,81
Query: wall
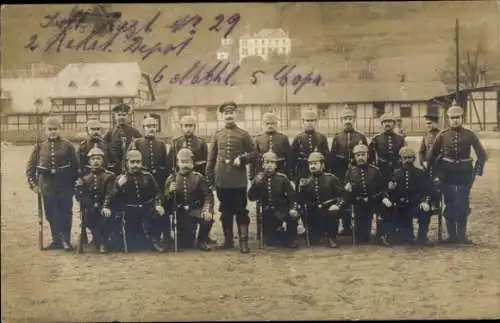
486,104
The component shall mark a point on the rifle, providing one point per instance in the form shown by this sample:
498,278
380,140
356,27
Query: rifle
173,223
353,225
440,220
82,229
40,217
259,225
306,225
122,211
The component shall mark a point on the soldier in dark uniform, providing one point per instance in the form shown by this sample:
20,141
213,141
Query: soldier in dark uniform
119,137
189,193
52,170
276,195
409,192
138,195
453,147
324,196
304,144
384,147
427,142
232,150
399,128
275,141
94,129
366,187
197,145
342,157
95,192
156,162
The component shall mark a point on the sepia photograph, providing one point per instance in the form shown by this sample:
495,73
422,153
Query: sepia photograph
251,161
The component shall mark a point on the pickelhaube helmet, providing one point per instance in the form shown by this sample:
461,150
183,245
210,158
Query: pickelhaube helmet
134,154
387,117
95,151
348,112
188,119
270,156
269,117
149,120
310,114
53,122
406,151
455,110
93,123
360,147
315,156
184,154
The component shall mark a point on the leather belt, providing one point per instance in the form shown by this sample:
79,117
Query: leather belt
140,205
200,162
53,170
457,161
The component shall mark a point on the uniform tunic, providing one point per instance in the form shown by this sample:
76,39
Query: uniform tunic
302,146
341,151
114,140
384,151
194,143
280,145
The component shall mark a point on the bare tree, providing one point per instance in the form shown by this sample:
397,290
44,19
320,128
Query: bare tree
477,63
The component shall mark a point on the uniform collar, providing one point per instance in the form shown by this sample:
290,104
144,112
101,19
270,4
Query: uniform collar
97,171
230,126
58,138
270,132
310,131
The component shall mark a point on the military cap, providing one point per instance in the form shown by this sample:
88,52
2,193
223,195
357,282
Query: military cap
310,114
122,107
347,112
360,148
455,111
188,119
406,151
96,151
149,120
387,117
93,123
53,122
185,153
269,117
270,156
432,117
315,156
134,154
227,106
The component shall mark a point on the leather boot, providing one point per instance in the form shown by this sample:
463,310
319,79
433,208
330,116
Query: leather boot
243,233
203,243
227,229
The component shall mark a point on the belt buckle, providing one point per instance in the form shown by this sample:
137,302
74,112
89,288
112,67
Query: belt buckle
96,205
320,206
186,207
140,205
153,171
228,161
52,170
365,199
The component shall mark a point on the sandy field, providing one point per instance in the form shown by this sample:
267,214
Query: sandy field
368,282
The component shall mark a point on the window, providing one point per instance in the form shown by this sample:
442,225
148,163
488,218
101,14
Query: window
116,101
294,112
433,110
69,105
92,105
119,84
95,83
184,111
211,114
323,110
158,119
244,51
405,111
72,84
69,121
379,109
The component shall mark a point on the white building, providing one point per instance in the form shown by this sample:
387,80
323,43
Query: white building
226,49
265,42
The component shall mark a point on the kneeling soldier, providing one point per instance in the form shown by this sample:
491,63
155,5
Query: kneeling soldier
323,195
95,191
138,196
276,195
189,193
409,192
366,187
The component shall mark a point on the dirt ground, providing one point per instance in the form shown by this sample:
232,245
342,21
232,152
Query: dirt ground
368,282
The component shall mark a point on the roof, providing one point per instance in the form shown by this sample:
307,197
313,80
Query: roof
210,95
98,80
267,33
25,91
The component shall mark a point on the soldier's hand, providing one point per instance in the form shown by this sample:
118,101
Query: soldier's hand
302,181
392,185
206,215
293,213
237,162
386,202
106,212
425,206
79,182
334,208
173,187
436,181
159,209
122,179
348,187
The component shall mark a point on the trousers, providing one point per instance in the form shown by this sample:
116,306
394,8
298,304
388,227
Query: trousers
272,227
138,227
363,218
59,213
186,230
456,212
322,222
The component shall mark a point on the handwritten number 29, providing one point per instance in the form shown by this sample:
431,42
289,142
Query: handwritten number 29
232,21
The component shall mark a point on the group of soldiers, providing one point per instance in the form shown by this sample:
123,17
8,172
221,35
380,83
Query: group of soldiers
133,191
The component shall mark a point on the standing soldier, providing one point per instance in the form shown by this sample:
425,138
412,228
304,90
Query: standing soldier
95,191
197,145
304,144
453,146
272,140
409,193
342,157
232,150
366,187
323,195
137,194
156,162
384,147
94,131
428,139
189,194
120,137
399,128
52,170
276,195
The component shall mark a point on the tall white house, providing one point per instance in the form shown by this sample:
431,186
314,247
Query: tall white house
226,49
265,42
